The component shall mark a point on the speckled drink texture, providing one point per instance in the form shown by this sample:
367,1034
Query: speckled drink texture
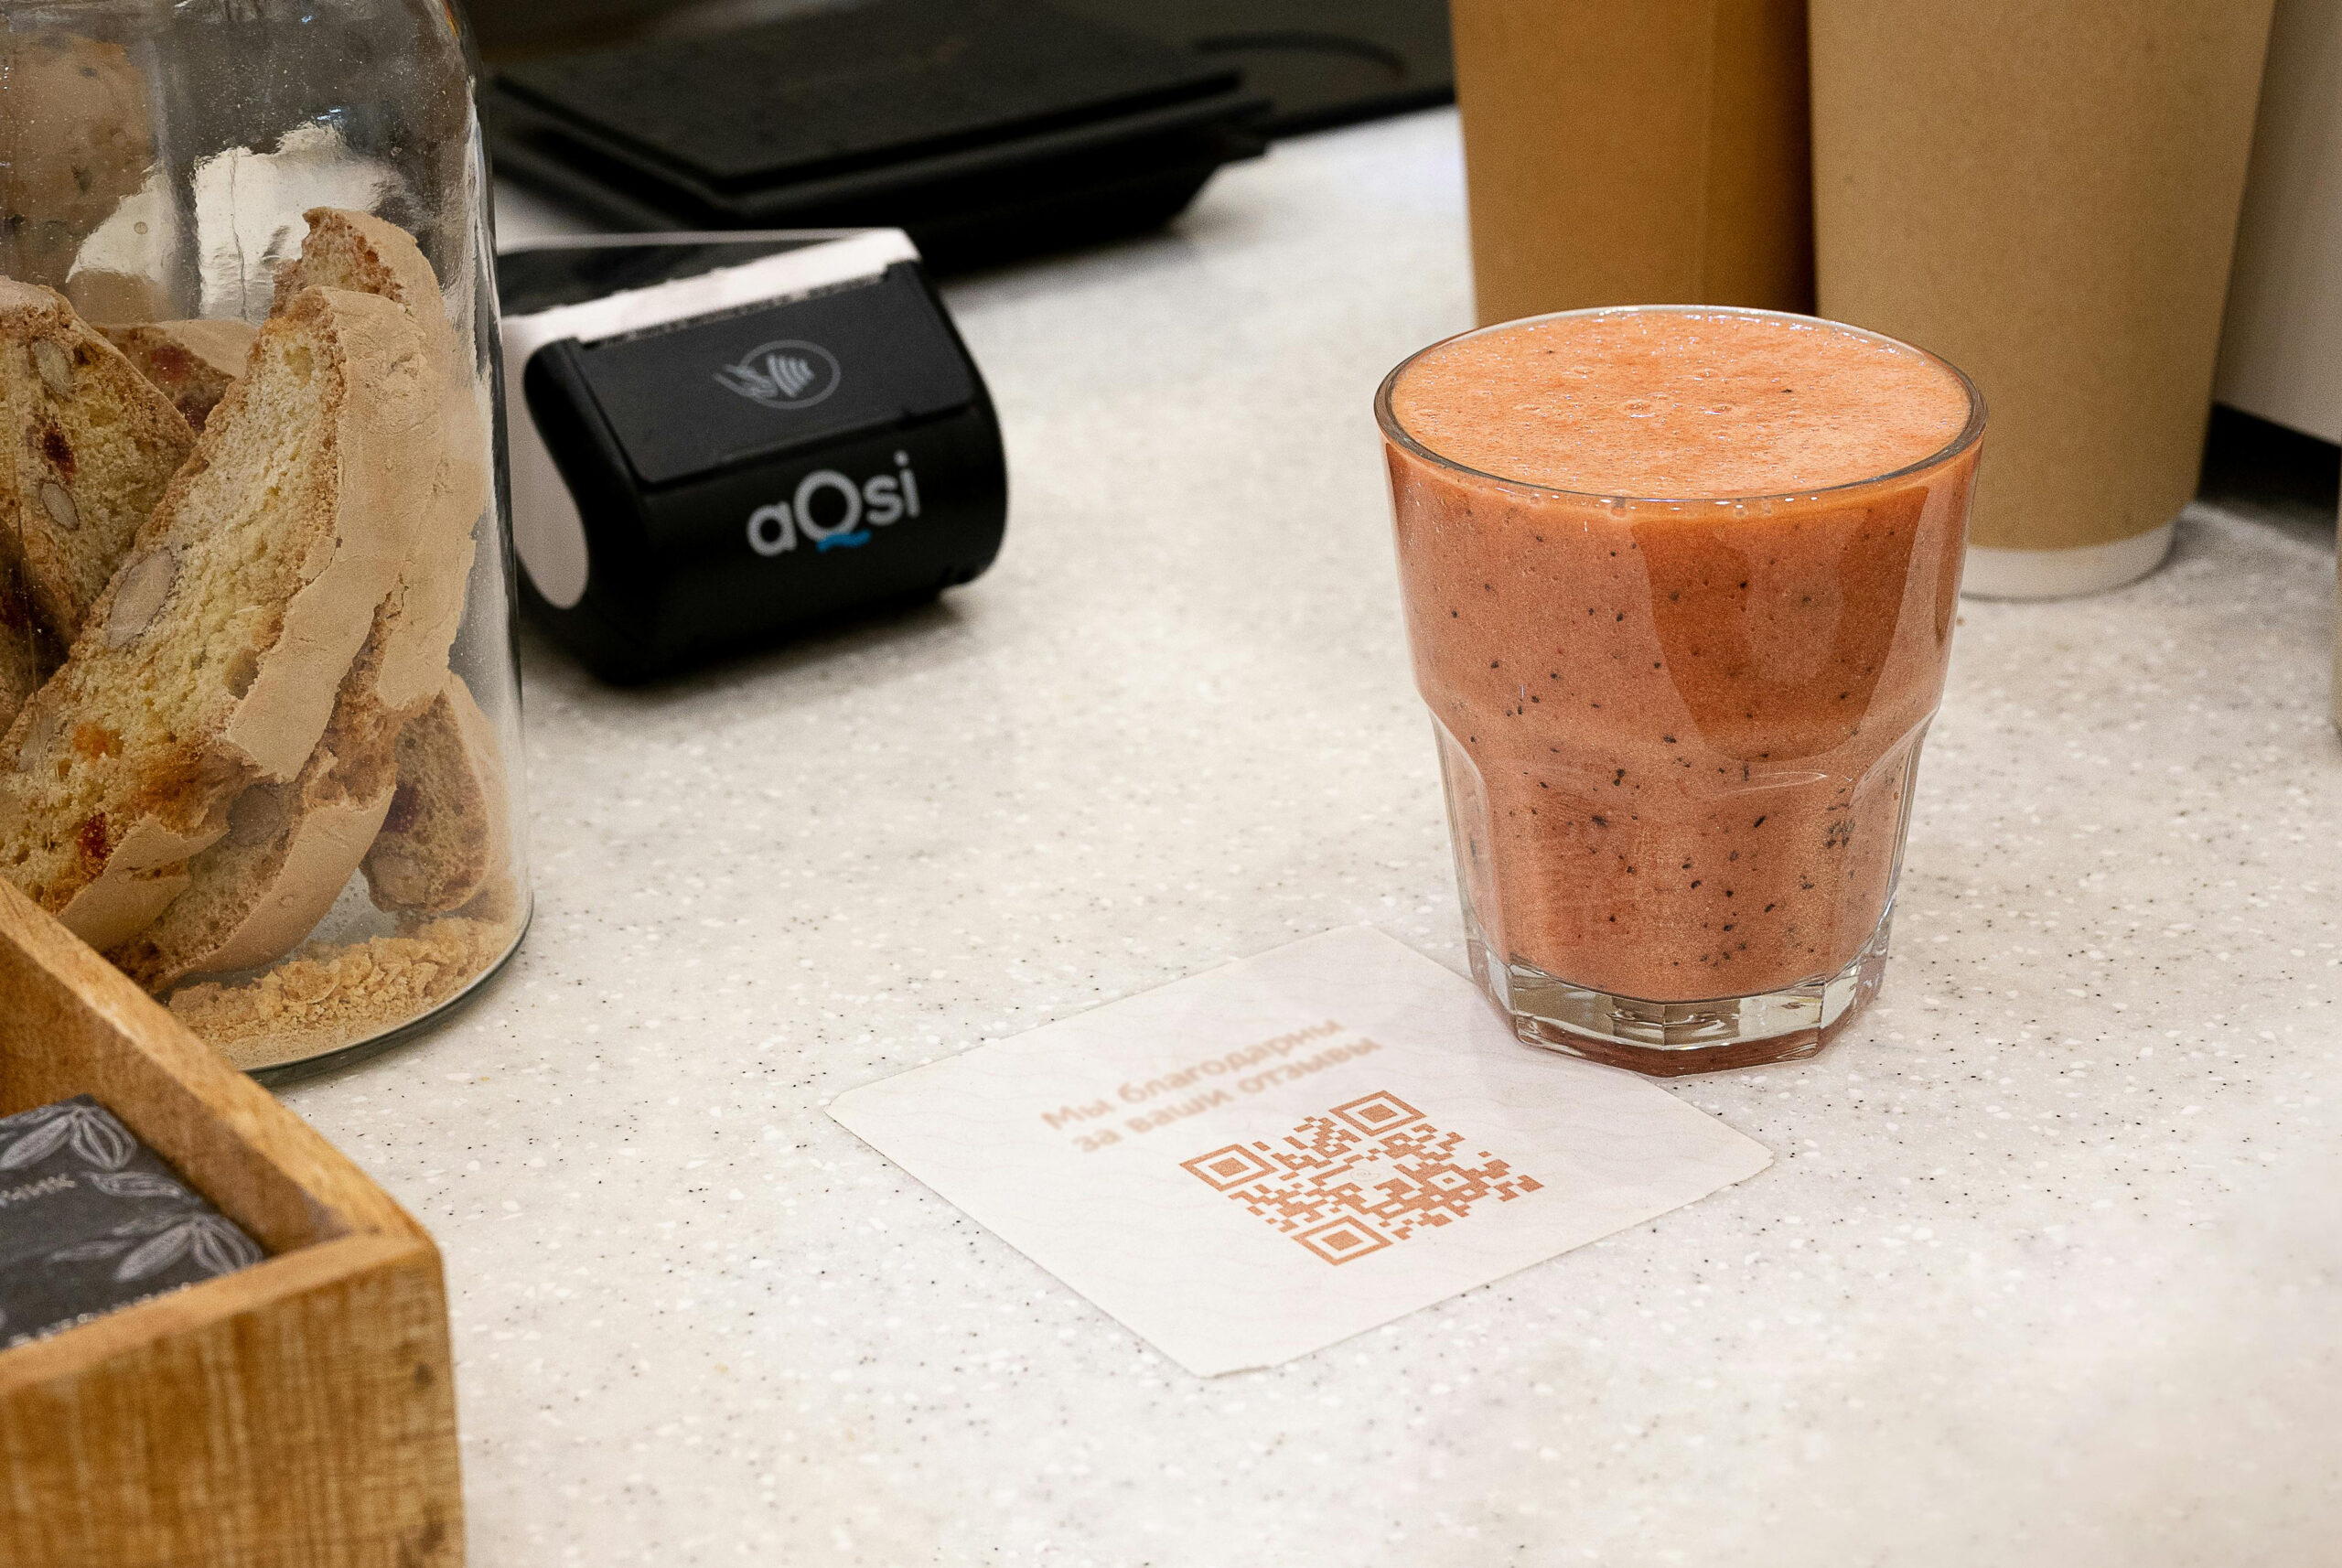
1680,735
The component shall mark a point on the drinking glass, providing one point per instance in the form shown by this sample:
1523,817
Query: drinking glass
1678,735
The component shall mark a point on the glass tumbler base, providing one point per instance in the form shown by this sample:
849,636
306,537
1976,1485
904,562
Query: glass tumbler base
1668,1039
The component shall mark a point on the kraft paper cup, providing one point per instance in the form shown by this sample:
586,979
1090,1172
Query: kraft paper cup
1632,154
2046,196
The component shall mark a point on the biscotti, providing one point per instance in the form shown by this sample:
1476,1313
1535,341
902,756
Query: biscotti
102,295
75,119
290,848
448,833
360,251
22,666
214,659
94,445
192,363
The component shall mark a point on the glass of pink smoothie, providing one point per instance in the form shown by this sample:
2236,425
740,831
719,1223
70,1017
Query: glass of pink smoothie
1680,584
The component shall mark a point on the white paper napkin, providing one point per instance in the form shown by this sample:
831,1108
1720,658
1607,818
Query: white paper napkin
1254,1163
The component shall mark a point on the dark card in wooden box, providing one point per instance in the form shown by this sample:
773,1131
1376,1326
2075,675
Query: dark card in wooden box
92,1220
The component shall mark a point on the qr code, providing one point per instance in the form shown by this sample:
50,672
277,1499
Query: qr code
1365,1175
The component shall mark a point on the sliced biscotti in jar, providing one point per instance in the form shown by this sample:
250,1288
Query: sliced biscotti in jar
22,662
193,363
446,843
214,659
93,446
78,119
291,847
289,850
360,251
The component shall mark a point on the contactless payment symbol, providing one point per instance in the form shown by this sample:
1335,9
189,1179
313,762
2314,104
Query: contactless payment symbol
789,373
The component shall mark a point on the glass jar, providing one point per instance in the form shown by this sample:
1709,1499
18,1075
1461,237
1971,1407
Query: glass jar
257,673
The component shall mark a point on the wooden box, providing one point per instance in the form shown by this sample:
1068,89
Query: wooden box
300,1412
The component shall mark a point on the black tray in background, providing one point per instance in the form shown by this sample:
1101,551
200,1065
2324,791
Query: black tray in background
987,128
1319,63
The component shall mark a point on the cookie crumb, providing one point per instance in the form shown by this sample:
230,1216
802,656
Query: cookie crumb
326,997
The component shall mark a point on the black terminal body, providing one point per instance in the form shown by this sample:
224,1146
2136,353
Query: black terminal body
744,476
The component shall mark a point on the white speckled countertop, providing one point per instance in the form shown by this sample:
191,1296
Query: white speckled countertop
2050,1271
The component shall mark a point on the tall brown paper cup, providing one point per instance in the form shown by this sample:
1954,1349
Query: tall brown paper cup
1635,151
2046,195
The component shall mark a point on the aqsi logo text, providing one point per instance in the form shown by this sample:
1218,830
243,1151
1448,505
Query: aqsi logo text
833,511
